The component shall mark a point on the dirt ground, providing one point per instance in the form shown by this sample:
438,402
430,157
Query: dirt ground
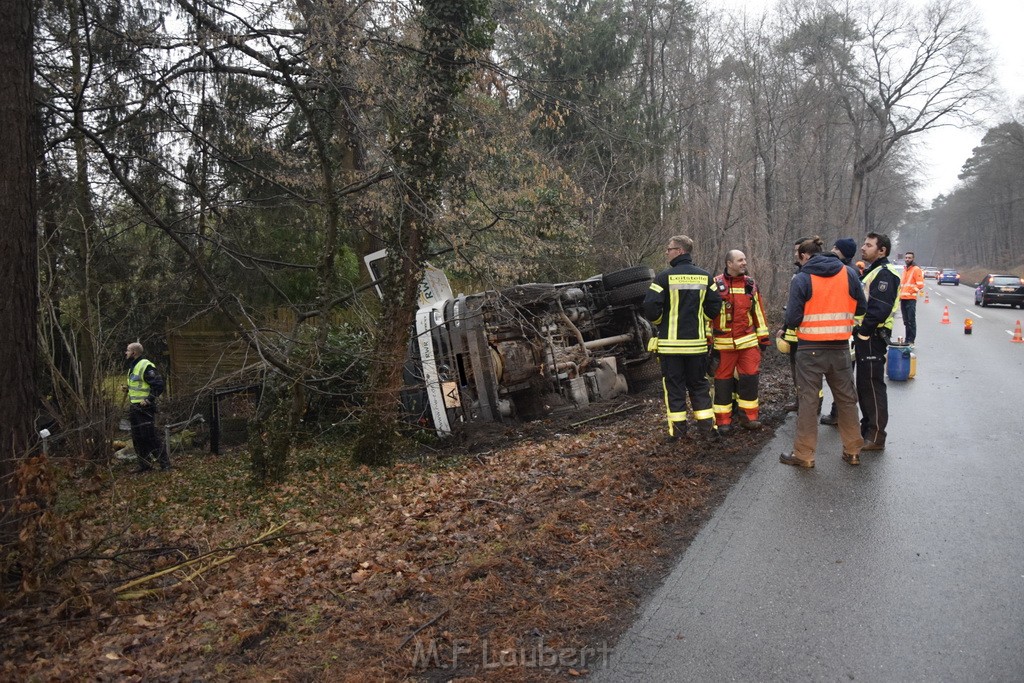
518,557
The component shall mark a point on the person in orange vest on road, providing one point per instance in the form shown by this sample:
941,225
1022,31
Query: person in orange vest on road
740,333
824,298
844,249
911,286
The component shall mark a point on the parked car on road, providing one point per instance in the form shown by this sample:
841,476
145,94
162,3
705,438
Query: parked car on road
1000,289
949,276
525,351
931,273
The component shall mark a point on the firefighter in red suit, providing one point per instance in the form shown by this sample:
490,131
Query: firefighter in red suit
740,333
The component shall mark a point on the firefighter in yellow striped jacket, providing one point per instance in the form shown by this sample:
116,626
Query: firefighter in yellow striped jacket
682,302
740,333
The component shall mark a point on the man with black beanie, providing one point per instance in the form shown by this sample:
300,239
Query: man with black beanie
845,248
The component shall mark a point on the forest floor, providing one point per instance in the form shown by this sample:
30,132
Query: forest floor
522,557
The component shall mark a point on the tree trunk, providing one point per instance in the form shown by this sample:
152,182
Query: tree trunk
451,31
377,430
852,220
18,267
93,435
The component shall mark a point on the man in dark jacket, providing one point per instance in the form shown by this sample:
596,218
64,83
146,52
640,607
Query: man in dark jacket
824,298
144,386
871,338
681,302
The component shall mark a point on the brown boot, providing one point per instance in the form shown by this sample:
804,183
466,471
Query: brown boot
795,461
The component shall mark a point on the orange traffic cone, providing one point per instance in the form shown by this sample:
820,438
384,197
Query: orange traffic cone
945,315
926,297
1017,339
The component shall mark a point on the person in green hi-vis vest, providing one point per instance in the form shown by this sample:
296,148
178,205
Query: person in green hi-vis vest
144,386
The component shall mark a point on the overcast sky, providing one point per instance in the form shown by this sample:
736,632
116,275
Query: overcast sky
942,152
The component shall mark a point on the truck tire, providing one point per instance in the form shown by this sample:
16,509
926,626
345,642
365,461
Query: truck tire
632,293
642,375
627,276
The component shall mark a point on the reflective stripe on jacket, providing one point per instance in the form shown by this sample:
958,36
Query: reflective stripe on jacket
869,278
911,283
741,322
828,314
681,302
138,387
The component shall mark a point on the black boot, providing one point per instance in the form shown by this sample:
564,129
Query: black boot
678,433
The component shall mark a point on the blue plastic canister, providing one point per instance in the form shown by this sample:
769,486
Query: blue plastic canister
898,360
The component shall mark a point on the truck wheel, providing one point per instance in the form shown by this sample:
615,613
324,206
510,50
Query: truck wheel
642,375
627,276
632,293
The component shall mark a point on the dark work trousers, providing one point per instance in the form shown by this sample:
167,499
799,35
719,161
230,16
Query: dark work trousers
908,309
683,375
871,392
144,437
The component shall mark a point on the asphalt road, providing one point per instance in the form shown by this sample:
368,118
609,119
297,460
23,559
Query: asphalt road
909,567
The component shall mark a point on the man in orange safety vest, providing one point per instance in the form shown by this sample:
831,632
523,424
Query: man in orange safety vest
911,286
824,298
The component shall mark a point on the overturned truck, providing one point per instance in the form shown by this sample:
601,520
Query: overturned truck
527,351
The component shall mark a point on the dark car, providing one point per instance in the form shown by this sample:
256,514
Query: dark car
948,276
1000,289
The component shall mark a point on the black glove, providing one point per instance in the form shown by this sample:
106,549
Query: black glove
765,344
713,360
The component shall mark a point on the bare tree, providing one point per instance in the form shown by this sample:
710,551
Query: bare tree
914,70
